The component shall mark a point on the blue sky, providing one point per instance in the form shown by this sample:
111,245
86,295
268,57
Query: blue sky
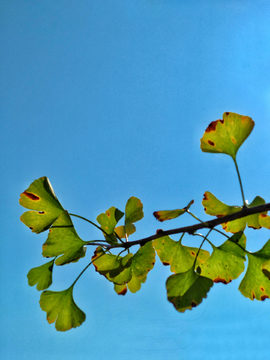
109,99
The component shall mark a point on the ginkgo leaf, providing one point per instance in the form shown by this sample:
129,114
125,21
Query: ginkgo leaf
133,213
61,309
131,268
215,207
226,262
227,135
163,215
41,275
64,240
255,284
108,221
133,210
41,198
187,290
180,257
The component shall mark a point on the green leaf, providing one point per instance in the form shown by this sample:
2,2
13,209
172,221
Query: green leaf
227,135
63,240
226,262
133,211
264,220
130,269
61,309
256,284
163,215
187,290
180,257
41,198
215,207
108,221
41,275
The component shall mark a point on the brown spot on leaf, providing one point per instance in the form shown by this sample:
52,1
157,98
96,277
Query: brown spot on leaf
122,292
211,143
41,212
205,197
165,263
220,280
263,215
108,214
193,304
253,295
233,140
193,253
212,126
263,297
30,227
158,216
31,195
227,113
262,288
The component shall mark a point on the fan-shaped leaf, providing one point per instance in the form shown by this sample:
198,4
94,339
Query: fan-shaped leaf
180,257
215,207
61,309
227,135
226,262
64,240
255,284
133,211
187,290
41,275
108,221
41,198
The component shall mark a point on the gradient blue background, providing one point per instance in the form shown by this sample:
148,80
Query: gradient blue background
109,100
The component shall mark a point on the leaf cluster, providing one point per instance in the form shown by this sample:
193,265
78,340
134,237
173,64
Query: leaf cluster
194,270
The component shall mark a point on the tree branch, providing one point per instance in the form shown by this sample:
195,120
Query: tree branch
245,211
